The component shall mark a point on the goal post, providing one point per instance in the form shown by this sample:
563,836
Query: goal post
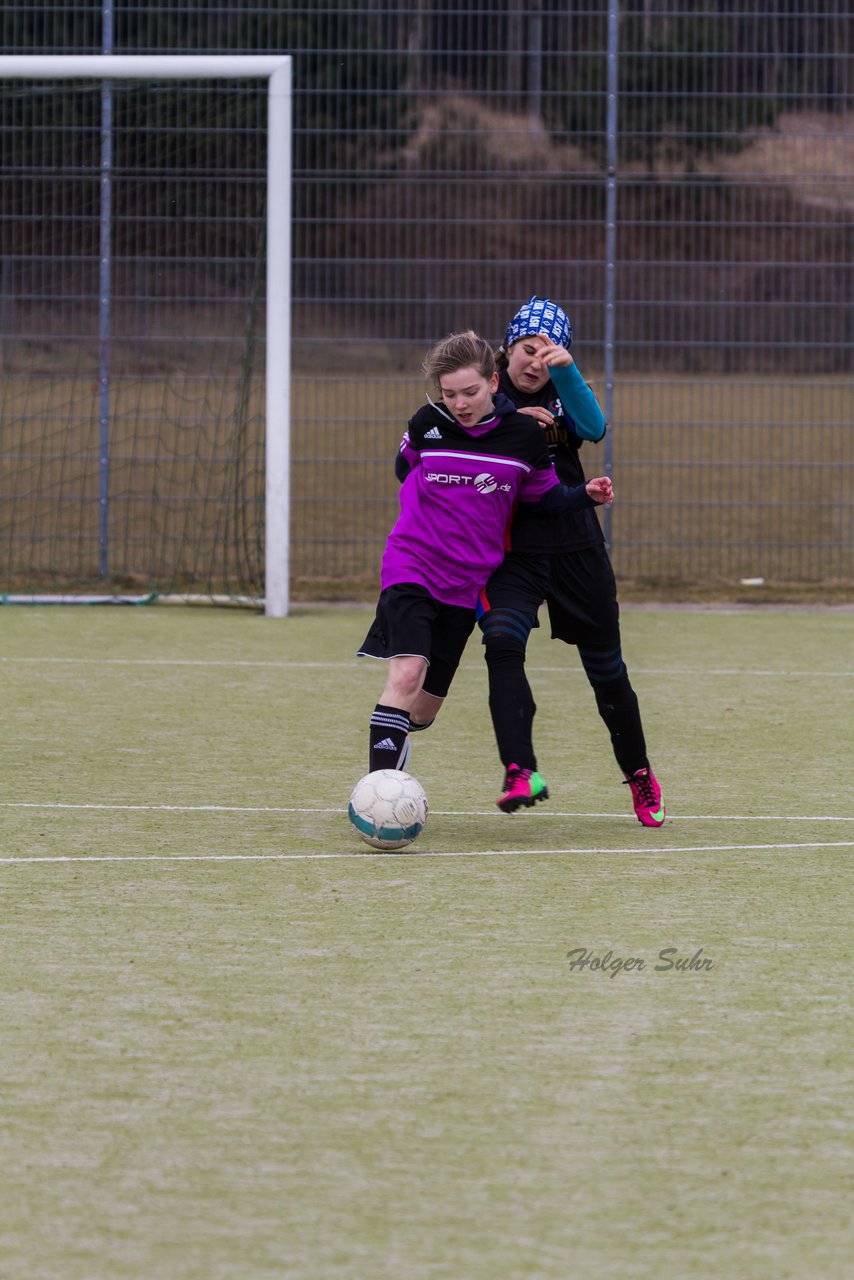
276,71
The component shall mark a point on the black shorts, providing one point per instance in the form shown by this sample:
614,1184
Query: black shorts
410,623
577,586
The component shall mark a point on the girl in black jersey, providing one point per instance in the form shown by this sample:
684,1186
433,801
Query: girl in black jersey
563,562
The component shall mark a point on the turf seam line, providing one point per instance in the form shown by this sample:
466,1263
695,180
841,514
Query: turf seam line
543,814
355,666
407,853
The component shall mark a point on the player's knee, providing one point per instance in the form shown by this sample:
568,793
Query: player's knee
505,636
604,666
404,681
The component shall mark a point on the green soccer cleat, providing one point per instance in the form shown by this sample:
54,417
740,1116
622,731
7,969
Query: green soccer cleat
521,787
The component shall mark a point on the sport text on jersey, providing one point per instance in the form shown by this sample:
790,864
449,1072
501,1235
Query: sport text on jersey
453,469
484,483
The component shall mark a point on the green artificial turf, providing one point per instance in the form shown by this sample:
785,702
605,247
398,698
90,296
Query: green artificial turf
238,1043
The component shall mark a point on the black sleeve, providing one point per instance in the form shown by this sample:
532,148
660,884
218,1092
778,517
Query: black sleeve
560,498
401,467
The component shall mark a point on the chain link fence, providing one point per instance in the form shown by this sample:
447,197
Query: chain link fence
680,177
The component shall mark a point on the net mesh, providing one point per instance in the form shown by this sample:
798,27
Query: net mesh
131,337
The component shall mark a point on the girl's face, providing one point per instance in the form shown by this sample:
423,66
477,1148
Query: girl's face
468,394
526,370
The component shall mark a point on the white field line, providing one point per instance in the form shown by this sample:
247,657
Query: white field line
360,666
443,813
408,853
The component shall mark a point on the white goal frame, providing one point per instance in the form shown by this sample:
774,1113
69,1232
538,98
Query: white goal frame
277,71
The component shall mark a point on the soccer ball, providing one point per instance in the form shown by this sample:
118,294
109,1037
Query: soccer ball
388,808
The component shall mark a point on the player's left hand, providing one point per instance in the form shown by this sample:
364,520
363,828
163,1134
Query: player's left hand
552,355
601,490
544,416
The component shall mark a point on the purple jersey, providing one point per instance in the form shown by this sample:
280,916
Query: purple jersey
458,499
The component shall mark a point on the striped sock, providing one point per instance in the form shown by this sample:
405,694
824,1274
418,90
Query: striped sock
389,737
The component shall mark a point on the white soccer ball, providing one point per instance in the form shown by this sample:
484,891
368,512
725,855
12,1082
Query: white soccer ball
388,808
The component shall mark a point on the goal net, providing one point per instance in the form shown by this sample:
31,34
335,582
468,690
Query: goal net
135,331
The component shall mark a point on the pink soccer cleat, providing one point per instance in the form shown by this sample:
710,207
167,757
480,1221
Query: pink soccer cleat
646,797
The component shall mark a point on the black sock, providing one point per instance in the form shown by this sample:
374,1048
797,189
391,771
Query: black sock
389,731
511,705
618,707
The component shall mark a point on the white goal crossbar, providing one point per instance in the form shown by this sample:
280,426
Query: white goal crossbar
276,70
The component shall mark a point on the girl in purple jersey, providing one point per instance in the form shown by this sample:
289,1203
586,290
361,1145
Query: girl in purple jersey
466,462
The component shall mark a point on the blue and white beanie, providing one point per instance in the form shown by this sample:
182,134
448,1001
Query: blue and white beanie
539,315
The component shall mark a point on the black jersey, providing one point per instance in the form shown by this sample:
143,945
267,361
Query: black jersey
571,529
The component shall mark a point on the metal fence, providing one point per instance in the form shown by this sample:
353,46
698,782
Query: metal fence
680,177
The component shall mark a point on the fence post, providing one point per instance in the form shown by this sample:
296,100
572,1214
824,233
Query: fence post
610,240
104,290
